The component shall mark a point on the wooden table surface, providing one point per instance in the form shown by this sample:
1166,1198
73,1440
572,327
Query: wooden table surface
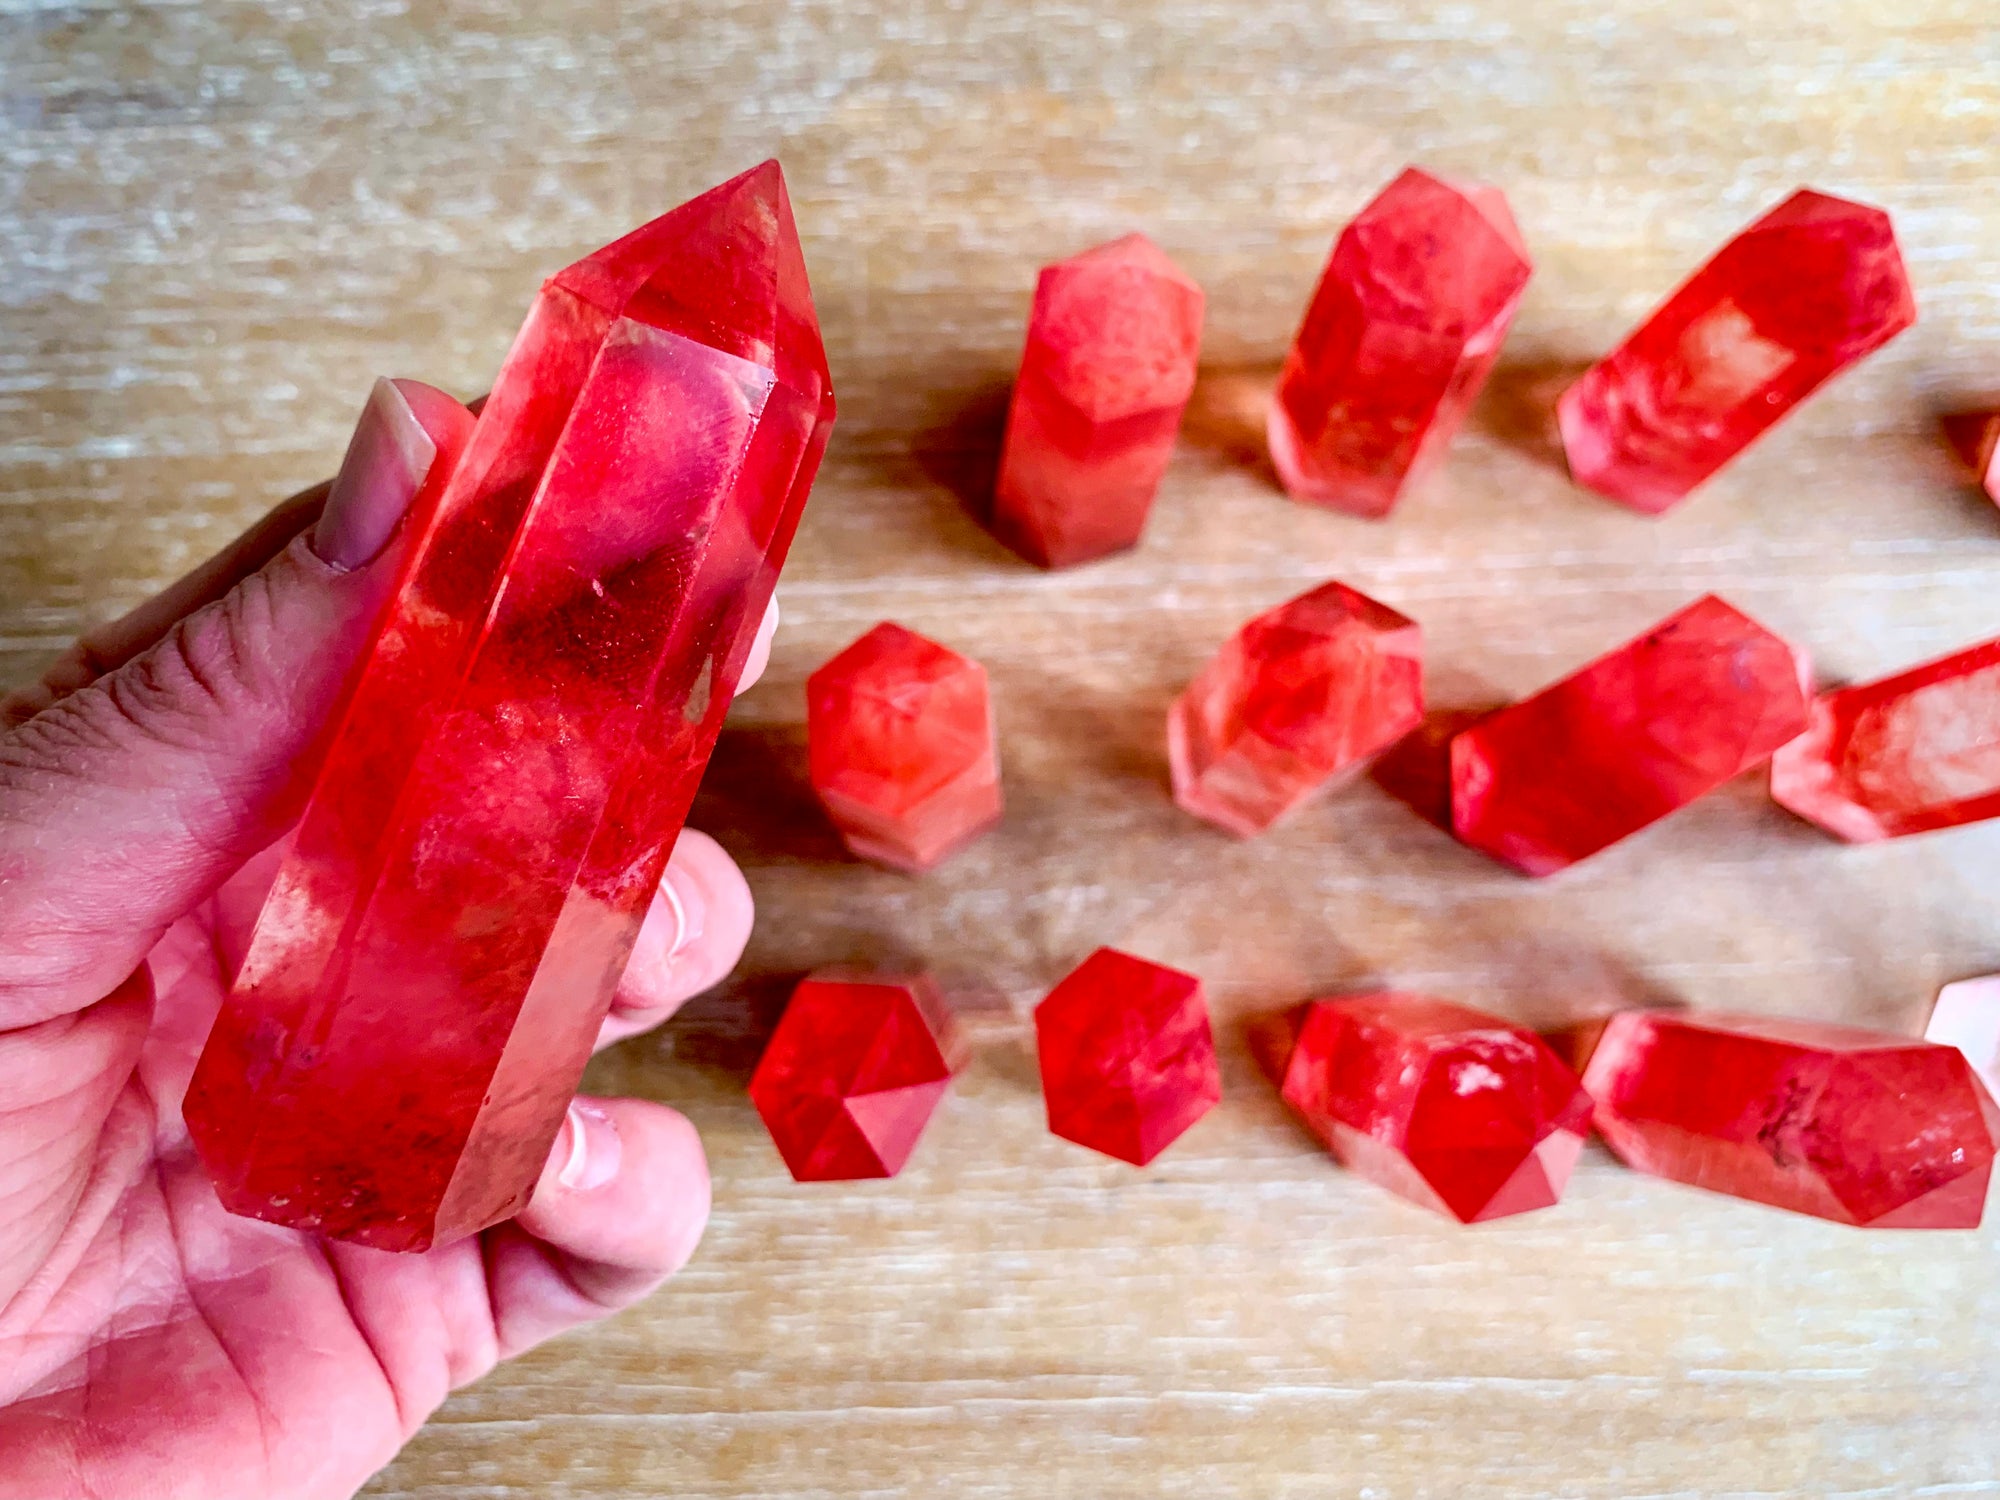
218,221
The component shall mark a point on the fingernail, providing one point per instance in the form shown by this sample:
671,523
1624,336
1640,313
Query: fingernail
387,459
684,899
592,1145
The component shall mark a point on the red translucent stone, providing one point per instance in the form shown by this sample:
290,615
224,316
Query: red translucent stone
1701,697
1113,340
1806,291
1401,333
1128,1060
851,1075
900,741
1975,436
1857,1126
1300,696
524,737
1966,1015
1911,753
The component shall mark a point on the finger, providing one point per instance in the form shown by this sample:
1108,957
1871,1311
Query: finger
692,937
760,650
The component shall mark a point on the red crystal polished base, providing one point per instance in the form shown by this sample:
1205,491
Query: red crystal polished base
1975,436
1401,333
1909,754
1861,1127
1128,1059
1445,1105
900,741
1701,697
1967,1016
1303,694
850,1077
1812,287
1113,341
524,737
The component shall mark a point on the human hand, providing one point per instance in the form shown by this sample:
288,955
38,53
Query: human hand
150,1343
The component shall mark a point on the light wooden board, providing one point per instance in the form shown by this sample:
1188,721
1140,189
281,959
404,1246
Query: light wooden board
218,221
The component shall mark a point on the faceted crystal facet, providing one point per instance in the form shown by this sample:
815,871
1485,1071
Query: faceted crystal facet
1908,754
1701,697
1967,1016
1806,291
1976,438
900,734
1445,1105
1110,363
1128,1060
1297,697
850,1077
523,739
1402,331
1862,1127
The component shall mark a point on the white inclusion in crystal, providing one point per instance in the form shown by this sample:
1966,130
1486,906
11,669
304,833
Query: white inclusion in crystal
1471,1077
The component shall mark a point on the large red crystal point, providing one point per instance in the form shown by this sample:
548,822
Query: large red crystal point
1806,291
1445,1105
1966,1015
900,743
1975,437
1128,1060
1300,696
523,739
850,1077
1909,754
1113,340
1401,333
1857,1126
1701,697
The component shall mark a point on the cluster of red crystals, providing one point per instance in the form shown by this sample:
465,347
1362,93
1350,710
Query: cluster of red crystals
1856,1126
1967,1016
1911,753
1128,1060
901,744
1809,289
1110,363
1704,695
1401,333
1976,437
850,1077
1445,1105
525,735
1299,696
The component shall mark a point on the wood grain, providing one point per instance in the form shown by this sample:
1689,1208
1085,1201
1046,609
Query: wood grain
220,220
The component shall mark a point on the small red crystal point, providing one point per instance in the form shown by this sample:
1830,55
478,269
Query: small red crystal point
850,1077
1911,753
1447,1106
1701,697
1113,341
1812,287
900,741
1302,695
1128,1060
1401,333
1861,1127
1967,1016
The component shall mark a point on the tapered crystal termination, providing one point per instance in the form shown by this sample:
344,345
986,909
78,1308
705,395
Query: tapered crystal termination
1113,340
1909,754
1809,289
900,745
1975,436
1302,695
1857,1126
1967,1016
850,1077
524,737
1128,1060
1701,697
1401,333
1447,1106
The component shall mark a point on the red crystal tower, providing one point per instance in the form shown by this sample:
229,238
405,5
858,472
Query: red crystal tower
1857,1126
1401,333
1128,1060
900,741
850,1077
1300,696
1911,753
524,738
1809,289
1975,436
1701,697
1113,340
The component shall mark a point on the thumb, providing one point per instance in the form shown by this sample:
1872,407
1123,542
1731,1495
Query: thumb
127,800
